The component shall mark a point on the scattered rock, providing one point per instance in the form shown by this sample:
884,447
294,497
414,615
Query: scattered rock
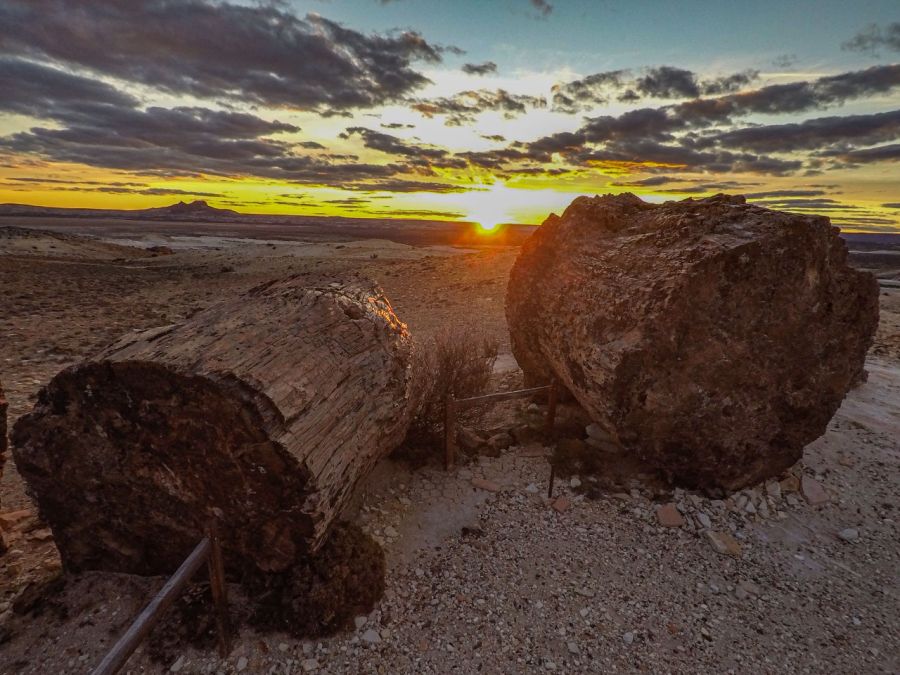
484,484
309,665
790,484
628,638
724,543
468,439
703,519
371,636
360,621
562,504
813,491
241,664
849,534
669,516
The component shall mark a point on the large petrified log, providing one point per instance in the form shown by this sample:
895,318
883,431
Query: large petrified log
713,338
269,407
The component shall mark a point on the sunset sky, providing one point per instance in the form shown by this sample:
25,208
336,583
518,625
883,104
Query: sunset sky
493,111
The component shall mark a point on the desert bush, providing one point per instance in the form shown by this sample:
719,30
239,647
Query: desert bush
458,362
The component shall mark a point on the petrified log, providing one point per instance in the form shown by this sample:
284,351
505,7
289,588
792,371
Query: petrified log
713,338
3,409
269,407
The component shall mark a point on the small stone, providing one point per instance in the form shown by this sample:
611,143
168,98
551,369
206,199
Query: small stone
177,666
371,636
750,507
669,516
309,665
849,534
534,450
360,621
724,543
562,504
465,474
813,491
628,638
283,646
597,432
483,484
500,441
572,647
532,488
241,664
790,484
575,482
773,489
391,532
745,589
586,592
703,519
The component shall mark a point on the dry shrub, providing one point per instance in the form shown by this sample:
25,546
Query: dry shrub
458,362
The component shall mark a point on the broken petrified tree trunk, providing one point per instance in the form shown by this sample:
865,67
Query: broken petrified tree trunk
713,338
269,407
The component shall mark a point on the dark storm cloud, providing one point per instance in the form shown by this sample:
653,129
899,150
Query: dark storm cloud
392,145
464,107
260,54
186,142
663,82
875,37
784,193
480,68
668,82
577,95
883,153
403,185
682,134
794,97
542,6
40,91
643,151
812,134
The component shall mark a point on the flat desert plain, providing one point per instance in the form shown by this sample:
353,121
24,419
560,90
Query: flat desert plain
485,573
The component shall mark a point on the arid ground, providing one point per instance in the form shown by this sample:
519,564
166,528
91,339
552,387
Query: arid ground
484,574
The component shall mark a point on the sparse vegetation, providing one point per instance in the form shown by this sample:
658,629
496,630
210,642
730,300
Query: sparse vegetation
458,362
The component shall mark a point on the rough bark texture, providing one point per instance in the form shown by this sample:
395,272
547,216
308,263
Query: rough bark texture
713,338
3,435
269,407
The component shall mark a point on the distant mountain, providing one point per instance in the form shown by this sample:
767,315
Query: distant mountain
198,209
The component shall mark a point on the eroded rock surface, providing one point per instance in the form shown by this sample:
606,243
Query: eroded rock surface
713,338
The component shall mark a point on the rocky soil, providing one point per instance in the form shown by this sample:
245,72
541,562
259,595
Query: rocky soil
616,572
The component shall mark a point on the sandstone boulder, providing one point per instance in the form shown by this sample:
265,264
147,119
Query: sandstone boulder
713,338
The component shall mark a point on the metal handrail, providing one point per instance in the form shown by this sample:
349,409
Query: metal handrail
208,551
453,405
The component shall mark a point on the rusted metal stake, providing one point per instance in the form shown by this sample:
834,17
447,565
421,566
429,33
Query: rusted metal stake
551,406
449,432
148,618
552,478
218,589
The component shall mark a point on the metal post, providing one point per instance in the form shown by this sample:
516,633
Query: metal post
552,478
145,621
218,589
551,406
450,431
